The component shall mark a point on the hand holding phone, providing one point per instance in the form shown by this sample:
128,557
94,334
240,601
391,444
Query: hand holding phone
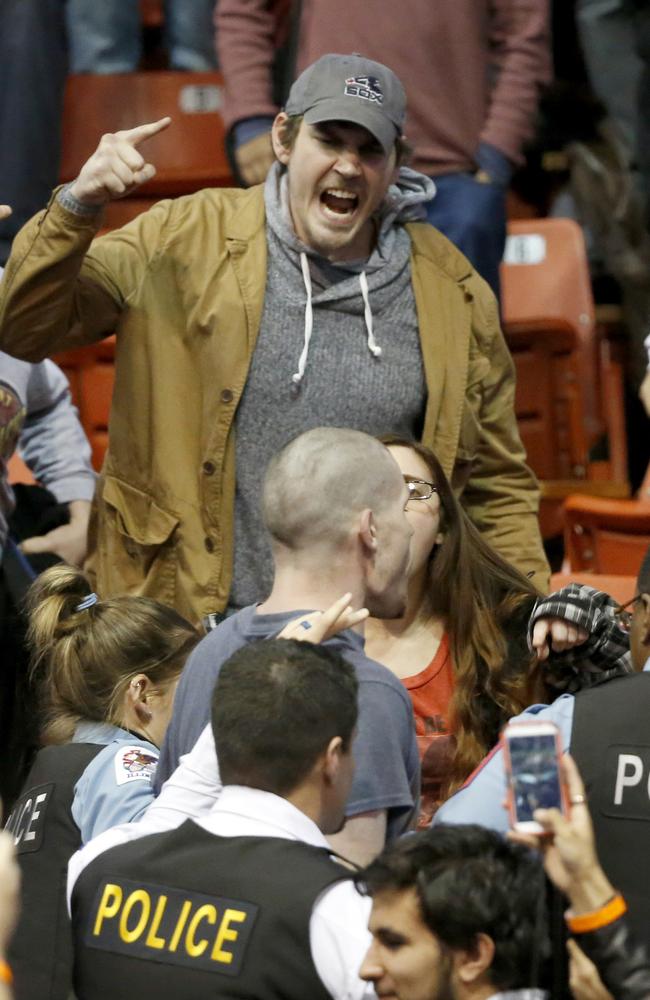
532,752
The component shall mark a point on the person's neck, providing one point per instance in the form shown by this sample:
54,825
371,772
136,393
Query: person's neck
306,798
480,990
311,589
417,614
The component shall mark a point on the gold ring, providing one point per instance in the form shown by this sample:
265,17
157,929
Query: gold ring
578,800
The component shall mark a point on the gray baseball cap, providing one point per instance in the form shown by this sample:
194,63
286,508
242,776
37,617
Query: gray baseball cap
351,89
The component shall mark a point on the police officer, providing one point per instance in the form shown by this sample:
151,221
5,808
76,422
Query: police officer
606,729
108,673
248,901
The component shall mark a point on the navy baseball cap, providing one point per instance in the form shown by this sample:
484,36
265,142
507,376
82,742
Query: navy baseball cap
351,89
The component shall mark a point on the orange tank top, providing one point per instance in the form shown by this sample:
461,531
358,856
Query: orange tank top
431,691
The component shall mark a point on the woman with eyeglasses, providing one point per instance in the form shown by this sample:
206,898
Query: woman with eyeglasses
107,673
461,649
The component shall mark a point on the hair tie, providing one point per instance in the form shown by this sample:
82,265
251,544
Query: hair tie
87,602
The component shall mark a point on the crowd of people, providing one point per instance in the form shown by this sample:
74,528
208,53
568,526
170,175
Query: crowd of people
252,707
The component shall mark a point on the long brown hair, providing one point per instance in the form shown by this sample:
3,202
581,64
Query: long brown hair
84,661
477,593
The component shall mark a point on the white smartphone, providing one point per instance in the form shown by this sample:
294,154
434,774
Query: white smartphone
532,753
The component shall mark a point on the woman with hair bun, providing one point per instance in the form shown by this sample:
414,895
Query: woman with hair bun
107,673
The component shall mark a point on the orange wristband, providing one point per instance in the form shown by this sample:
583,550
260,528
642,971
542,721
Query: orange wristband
607,914
6,975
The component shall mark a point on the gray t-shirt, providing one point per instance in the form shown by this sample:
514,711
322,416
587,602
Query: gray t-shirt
387,774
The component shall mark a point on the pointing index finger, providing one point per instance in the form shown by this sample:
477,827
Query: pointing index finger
134,136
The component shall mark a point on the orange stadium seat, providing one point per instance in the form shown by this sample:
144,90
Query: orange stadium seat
188,155
91,372
605,536
569,388
621,588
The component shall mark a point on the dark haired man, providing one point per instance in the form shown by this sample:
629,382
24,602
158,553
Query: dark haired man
246,902
606,730
246,317
456,915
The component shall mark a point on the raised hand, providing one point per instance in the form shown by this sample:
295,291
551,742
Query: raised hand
317,626
568,846
116,167
254,158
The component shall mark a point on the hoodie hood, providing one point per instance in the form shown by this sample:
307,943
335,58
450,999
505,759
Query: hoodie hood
349,285
404,202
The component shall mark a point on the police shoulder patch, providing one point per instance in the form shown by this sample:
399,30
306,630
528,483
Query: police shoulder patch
134,763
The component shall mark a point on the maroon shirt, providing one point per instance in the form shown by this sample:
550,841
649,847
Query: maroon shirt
472,69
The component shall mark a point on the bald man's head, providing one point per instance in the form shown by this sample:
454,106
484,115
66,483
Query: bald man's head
334,489
318,484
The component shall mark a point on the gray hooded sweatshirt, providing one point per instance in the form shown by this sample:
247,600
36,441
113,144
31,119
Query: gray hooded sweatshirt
338,346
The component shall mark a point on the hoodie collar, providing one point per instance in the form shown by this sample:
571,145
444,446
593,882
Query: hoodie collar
404,202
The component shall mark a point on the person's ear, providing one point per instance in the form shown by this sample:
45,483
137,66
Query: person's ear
472,963
332,759
368,531
282,153
137,695
396,169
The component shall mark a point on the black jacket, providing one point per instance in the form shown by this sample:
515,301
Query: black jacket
623,964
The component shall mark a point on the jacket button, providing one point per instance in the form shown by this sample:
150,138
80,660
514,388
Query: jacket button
209,468
226,396
209,544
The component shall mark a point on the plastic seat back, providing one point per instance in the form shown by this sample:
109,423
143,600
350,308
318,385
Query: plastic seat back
91,372
188,155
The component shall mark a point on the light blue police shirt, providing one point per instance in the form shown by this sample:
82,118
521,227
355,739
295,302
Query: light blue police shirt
117,785
481,798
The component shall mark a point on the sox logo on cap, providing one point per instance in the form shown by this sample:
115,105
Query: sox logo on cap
366,87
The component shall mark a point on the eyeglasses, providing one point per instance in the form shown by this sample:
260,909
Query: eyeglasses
623,616
419,489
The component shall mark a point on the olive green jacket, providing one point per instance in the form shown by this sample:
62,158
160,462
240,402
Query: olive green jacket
183,287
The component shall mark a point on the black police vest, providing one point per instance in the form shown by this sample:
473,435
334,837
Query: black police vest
192,915
46,836
611,744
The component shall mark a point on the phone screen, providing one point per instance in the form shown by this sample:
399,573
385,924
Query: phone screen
534,775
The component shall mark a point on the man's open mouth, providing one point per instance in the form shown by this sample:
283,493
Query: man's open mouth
339,201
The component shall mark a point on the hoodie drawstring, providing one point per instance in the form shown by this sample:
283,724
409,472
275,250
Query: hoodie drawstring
373,346
309,321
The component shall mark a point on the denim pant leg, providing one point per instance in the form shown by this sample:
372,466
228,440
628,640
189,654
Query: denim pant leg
190,35
473,216
33,65
103,35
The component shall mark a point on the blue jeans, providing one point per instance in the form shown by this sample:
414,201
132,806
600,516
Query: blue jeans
473,216
104,35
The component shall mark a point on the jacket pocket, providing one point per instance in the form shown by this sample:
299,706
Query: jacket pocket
136,544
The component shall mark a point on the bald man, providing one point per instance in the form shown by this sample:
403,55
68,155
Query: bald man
333,504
